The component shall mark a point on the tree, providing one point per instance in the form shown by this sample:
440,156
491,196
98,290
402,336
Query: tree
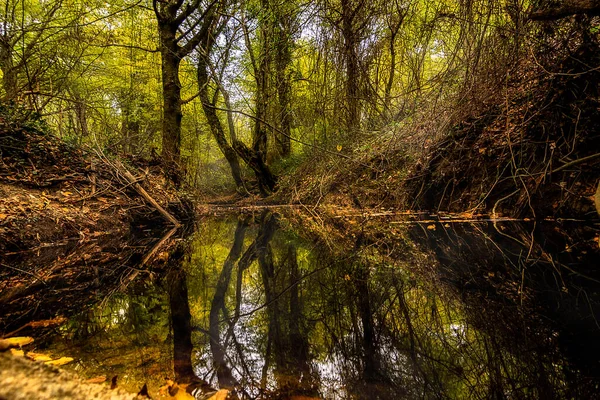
204,71
255,156
24,29
181,27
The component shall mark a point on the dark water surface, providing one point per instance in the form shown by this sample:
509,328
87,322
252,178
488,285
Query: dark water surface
427,310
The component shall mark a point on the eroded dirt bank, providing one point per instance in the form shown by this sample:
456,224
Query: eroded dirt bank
74,229
530,148
70,220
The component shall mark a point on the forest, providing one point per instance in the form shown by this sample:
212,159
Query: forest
283,199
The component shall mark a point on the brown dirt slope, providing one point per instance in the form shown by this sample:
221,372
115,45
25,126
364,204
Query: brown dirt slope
531,150
536,151
70,223
52,191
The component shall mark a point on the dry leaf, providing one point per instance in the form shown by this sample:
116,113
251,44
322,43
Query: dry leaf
19,340
18,353
431,227
38,357
220,395
60,361
179,393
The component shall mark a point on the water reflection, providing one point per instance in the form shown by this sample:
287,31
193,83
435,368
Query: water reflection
248,305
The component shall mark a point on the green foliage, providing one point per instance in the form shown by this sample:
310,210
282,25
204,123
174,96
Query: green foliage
15,115
93,70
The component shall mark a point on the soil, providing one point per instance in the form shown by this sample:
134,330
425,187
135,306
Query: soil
535,153
71,224
50,382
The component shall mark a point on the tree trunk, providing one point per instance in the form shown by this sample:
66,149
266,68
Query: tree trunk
172,115
216,127
394,28
259,144
81,117
351,39
266,179
130,128
9,75
283,59
566,9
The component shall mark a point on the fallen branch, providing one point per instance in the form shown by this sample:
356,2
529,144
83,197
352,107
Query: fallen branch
157,246
146,196
575,162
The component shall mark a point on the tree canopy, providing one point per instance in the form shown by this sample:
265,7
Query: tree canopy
234,92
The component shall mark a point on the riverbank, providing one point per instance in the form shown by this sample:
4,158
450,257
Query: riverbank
71,219
530,148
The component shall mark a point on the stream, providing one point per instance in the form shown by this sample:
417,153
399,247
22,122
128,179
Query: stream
442,309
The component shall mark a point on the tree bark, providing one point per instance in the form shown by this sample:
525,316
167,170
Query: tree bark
259,143
351,39
216,127
9,75
170,16
266,179
283,59
172,115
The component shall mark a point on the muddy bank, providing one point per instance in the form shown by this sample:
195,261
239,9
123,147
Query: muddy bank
535,152
71,222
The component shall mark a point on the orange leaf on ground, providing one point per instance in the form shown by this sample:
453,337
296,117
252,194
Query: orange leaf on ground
60,361
18,341
18,353
38,357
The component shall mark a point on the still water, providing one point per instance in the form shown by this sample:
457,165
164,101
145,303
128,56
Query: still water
258,306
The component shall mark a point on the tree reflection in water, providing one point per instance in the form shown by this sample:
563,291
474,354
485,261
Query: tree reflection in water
255,308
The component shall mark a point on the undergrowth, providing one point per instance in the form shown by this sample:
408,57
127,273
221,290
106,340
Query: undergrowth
527,145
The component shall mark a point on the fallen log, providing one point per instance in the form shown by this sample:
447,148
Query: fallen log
134,182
